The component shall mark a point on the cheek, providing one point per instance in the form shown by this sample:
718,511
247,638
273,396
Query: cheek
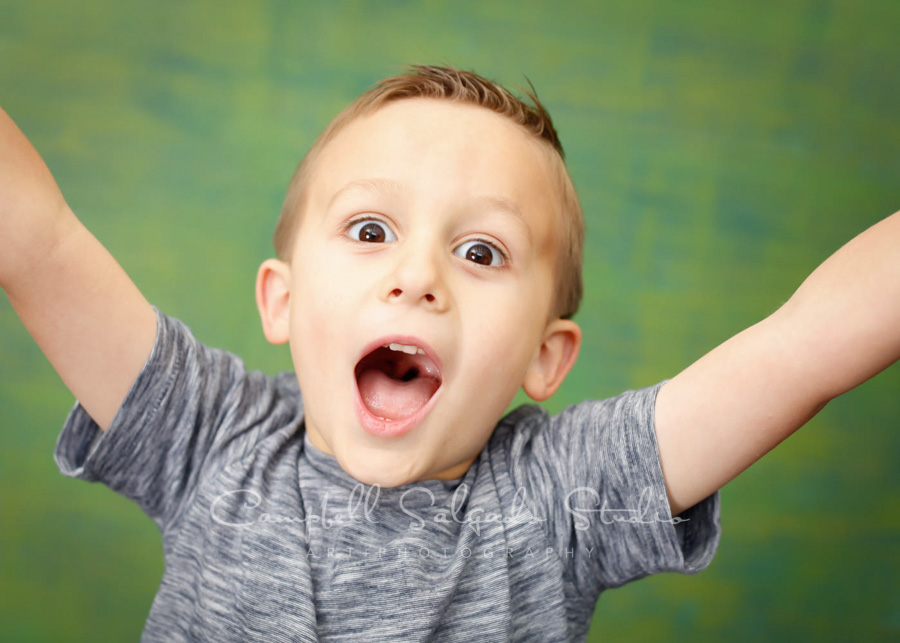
313,321
499,352
326,292
505,331
320,284
513,312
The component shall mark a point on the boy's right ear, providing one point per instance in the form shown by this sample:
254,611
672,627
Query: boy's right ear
273,299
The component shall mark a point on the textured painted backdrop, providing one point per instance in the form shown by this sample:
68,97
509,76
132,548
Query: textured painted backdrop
721,151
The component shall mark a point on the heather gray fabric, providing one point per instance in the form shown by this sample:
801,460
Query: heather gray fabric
267,539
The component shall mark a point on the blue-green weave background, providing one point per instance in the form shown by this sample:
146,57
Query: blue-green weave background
721,150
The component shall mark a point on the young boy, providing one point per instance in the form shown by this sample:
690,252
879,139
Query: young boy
429,265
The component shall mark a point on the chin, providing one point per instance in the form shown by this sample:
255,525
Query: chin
385,476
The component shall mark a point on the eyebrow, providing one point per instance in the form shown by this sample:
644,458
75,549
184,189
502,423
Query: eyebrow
504,205
376,184
393,186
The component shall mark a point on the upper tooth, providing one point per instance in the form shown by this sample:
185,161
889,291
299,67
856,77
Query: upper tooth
409,350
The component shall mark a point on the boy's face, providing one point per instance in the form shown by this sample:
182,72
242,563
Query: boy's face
433,227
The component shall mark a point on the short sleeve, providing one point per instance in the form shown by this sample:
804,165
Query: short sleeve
190,409
594,473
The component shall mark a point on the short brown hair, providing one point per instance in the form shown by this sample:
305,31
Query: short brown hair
445,83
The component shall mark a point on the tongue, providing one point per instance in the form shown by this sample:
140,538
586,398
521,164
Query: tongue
392,399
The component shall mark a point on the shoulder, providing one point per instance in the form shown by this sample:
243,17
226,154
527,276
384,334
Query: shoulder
533,425
211,391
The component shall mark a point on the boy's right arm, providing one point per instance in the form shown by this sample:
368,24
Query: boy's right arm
87,316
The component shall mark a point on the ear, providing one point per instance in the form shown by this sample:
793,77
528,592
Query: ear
273,299
553,360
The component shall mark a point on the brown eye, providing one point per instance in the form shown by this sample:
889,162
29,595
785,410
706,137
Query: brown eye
480,252
371,231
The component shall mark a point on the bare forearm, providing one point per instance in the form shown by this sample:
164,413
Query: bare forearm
845,317
33,213
841,327
90,320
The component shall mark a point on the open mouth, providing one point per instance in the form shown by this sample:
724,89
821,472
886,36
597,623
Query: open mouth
395,382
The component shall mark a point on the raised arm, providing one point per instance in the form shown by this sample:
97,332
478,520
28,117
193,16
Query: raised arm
84,312
733,405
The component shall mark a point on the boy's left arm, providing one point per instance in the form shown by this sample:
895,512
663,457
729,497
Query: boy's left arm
725,411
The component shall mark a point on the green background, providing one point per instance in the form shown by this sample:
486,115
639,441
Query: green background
721,150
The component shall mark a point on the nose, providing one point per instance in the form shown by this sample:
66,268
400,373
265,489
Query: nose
417,277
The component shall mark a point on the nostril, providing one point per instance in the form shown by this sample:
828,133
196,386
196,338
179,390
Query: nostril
396,292
429,298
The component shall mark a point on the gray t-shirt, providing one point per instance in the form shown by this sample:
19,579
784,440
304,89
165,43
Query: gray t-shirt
266,538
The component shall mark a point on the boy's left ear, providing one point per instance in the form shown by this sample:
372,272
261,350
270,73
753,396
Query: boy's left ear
553,360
